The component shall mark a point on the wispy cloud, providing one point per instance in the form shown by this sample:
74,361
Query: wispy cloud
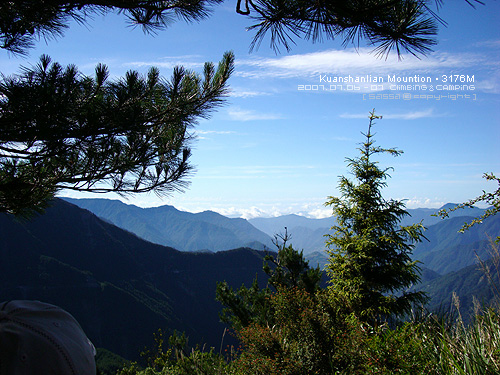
491,84
238,114
164,64
244,93
199,131
169,62
492,43
205,134
351,61
326,67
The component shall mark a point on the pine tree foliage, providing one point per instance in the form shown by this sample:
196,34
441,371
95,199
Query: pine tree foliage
492,199
369,252
63,130
22,22
389,25
289,269
401,26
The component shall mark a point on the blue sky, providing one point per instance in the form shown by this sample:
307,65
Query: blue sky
280,143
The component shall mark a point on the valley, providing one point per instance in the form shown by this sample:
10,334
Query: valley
92,259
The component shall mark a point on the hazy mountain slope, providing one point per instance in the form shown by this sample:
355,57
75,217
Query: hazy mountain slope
120,287
426,215
447,250
273,225
468,283
165,225
317,259
308,234
309,240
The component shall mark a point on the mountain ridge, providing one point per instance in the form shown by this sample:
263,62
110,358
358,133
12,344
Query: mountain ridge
122,288
185,231
208,230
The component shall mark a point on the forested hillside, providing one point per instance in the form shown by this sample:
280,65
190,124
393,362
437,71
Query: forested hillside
121,288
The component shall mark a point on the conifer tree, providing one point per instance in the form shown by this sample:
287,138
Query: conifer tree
287,270
60,130
369,252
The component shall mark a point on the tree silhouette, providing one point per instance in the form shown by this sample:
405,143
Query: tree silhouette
399,25
63,130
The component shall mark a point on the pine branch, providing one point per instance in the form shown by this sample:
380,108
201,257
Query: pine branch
61,130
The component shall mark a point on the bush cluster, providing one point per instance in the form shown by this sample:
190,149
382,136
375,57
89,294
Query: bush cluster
315,334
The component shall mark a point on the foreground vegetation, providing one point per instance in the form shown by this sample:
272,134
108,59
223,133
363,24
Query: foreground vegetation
314,336
368,321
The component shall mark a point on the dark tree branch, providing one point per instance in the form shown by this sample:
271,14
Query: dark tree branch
62,130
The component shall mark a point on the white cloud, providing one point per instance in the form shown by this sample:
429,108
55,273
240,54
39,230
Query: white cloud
351,61
243,93
199,131
492,43
169,62
238,114
319,213
315,211
245,213
423,202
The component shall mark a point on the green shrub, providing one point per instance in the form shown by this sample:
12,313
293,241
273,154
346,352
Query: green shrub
177,359
311,335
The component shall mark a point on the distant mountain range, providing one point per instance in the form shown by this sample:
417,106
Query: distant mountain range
445,251
122,288
185,231
309,234
210,231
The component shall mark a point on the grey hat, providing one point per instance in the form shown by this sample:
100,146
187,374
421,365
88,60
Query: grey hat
38,338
